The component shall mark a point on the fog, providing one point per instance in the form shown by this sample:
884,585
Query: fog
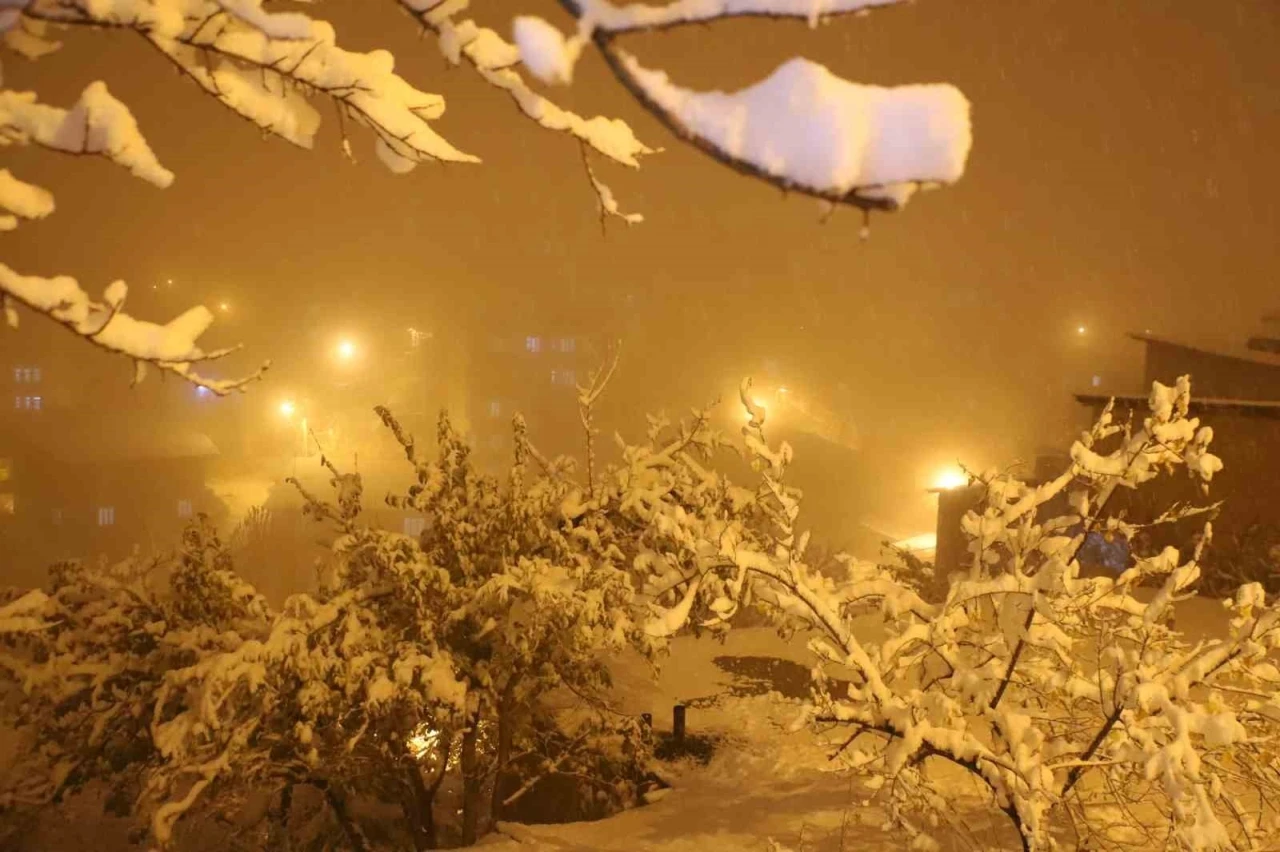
1122,179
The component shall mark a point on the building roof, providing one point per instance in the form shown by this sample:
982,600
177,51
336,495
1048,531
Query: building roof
1267,407
1238,353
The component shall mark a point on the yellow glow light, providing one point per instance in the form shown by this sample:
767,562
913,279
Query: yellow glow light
950,478
346,350
287,408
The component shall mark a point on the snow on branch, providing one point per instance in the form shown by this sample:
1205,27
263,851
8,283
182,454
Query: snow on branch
22,200
808,130
98,125
171,347
607,17
263,65
494,59
802,128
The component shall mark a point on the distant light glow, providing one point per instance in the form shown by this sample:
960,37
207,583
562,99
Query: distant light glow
422,741
950,478
782,390
1079,329
1097,380
224,307
202,391
287,408
918,543
346,350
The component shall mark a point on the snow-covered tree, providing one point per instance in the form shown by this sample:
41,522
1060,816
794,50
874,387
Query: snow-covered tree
1074,705
1081,716
802,128
478,647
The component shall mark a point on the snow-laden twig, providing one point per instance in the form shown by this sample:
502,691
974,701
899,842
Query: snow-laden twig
99,125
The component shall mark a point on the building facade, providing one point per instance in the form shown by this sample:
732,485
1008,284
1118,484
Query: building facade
1237,392
80,480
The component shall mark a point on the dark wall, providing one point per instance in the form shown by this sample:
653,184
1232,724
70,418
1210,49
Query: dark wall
1213,376
57,510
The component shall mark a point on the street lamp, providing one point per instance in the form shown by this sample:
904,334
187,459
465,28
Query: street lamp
287,408
346,350
950,478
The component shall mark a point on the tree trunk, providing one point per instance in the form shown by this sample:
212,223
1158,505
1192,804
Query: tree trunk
337,800
472,784
506,734
418,810
278,837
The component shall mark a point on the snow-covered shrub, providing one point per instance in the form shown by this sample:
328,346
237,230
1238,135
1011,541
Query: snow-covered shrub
198,692
1073,706
94,654
523,599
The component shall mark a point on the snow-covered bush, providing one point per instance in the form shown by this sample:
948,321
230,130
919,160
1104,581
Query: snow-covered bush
199,693
93,656
480,646
1072,705
523,600
477,649
803,128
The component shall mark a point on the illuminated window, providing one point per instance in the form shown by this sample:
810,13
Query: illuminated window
106,516
36,403
28,403
414,526
6,469
563,377
568,344
26,374
6,504
184,508
495,408
533,344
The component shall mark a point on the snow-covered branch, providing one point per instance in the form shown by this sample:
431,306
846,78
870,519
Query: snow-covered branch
802,129
98,125
606,16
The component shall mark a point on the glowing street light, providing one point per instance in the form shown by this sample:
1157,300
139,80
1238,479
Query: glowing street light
287,408
950,478
1079,329
224,307
346,350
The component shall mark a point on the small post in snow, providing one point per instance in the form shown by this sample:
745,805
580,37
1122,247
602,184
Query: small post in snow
677,723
